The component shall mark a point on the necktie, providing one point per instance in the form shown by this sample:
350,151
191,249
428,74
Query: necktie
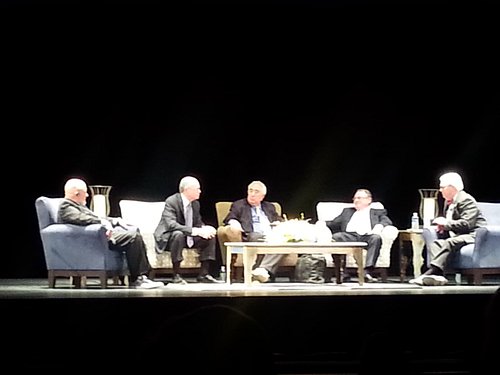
256,220
189,222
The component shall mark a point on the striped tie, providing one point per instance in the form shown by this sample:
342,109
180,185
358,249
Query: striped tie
189,222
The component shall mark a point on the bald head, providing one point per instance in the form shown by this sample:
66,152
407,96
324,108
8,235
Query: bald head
75,189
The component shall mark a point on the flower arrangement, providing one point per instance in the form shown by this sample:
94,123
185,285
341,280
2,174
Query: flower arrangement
296,230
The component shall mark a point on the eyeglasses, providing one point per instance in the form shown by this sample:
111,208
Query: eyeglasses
359,198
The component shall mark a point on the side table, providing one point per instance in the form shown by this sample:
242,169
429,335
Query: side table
417,243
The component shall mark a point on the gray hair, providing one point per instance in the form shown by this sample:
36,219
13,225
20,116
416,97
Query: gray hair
261,185
188,181
74,184
453,179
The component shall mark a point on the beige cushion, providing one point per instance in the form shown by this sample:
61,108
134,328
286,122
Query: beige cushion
146,216
222,209
327,211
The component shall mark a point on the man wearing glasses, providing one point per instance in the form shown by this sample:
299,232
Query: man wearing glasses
362,223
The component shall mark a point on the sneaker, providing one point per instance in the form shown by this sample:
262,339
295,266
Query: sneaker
143,282
261,275
434,280
418,280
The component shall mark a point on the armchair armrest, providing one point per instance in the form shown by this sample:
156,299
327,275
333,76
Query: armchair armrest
389,233
487,247
66,245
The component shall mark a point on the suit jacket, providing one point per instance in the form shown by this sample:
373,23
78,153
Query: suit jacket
73,213
339,224
172,219
241,210
466,217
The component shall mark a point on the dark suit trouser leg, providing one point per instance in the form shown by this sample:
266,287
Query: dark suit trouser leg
206,248
207,253
372,250
135,251
176,243
374,242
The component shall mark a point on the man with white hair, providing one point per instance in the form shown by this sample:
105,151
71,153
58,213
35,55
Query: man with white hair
121,237
455,230
250,219
181,225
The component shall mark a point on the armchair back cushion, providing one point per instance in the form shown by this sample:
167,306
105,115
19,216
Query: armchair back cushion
327,211
222,209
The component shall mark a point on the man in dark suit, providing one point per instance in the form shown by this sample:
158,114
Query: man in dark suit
250,219
121,236
362,223
457,229
181,226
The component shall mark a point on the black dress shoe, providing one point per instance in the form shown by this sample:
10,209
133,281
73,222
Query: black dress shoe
179,280
370,279
208,279
346,278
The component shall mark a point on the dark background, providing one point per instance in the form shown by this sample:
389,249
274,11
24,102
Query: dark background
313,98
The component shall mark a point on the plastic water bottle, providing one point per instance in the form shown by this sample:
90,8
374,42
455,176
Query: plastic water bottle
415,221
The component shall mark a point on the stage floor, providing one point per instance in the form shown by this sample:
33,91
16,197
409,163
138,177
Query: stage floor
306,328
38,288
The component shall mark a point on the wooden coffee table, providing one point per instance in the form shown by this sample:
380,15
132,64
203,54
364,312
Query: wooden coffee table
249,250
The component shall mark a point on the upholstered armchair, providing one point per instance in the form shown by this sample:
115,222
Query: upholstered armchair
222,209
327,211
76,251
480,258
146,216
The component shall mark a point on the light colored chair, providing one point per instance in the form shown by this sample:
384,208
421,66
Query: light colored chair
327,211
146,216
74,251
480,258
287,264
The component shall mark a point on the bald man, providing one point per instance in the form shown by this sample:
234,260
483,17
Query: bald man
121,237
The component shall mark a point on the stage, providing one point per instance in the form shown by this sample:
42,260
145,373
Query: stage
306,328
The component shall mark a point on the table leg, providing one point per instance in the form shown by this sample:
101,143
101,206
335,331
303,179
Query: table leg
418,243
337,260
403,264
229,253
358,256
249,258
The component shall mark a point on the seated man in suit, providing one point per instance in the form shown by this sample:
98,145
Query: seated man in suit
121,237
250,219
456,229
181,225
362,223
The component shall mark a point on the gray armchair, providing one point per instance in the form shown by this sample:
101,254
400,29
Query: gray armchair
483,256
76,251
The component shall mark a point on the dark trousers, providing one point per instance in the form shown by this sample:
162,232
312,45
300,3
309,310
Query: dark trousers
178,242
130,241
374,242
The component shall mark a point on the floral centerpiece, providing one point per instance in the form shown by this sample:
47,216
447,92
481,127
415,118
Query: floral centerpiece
298,230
